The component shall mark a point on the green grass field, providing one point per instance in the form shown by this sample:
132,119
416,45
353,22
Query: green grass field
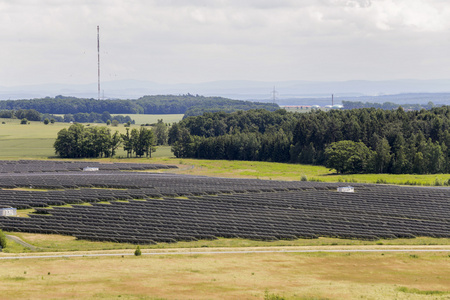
35,140
150,119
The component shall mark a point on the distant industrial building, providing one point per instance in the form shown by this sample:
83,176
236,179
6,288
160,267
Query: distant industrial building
297,107
90,169
346,189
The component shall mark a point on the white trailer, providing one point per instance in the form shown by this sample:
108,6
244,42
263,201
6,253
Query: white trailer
6,211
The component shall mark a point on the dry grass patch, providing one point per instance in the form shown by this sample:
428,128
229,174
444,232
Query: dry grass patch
229,276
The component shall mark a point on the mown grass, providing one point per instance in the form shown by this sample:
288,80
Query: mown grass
35,140
294,172
151,119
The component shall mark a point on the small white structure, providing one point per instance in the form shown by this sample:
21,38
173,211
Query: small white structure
346,189
6,211
90,169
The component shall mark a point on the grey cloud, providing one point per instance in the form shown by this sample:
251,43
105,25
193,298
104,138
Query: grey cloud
178,40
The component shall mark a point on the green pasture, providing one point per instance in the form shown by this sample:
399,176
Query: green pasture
151,119
295,172
35,140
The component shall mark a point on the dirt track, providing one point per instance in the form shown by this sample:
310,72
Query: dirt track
240,250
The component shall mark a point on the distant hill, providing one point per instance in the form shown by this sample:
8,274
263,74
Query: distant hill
287,91
419,98
161,104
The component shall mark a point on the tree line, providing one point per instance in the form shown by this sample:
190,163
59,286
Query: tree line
29,114
386,105
79,141
34,115
159,104
367,140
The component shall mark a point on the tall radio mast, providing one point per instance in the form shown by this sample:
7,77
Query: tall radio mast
98,59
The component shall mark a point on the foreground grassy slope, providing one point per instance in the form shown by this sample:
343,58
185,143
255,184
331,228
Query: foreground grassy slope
230,276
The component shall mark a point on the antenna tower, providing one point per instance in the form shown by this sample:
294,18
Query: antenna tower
98,59
274,95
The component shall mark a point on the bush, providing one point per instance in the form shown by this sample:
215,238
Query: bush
269,296
24,121
2,240
137,252
46,121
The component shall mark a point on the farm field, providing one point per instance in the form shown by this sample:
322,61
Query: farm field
150,119
36,140
230,276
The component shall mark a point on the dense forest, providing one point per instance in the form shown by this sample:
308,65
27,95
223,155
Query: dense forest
34,115
350,141
167,104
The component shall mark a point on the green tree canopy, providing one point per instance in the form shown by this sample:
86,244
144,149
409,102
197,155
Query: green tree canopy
79,141
348,157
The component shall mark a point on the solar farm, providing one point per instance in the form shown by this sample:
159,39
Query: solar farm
119,203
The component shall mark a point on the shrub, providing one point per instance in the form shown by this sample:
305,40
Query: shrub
137,252
2,240
46,121
269,296
24,121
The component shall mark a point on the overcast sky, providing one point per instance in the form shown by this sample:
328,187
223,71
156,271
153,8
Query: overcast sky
182,41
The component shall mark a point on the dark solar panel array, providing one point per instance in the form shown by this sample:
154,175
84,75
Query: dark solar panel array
38,166
184,208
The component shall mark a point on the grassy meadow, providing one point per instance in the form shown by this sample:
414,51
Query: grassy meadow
230,276
35,140
150,119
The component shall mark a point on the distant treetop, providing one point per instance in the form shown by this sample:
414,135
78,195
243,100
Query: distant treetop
159,104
